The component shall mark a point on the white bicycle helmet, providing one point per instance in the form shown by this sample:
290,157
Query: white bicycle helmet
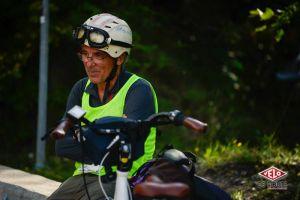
105,32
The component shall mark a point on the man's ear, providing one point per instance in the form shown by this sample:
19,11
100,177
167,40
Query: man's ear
121,59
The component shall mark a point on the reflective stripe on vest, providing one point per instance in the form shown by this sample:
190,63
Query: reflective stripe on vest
115,107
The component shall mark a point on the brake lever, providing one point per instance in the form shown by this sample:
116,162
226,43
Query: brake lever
176,116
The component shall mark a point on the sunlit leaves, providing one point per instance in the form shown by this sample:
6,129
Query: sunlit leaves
274,21
268,14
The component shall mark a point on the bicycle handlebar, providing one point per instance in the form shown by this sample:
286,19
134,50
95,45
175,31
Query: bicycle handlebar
110,125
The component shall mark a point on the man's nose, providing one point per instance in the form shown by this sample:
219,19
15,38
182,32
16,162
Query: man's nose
90,63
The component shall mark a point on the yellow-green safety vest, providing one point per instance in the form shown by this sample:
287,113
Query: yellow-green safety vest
115,107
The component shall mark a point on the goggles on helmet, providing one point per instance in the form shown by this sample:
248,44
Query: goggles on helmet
97,38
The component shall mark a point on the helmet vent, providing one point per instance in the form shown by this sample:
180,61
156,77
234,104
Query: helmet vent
107,26
115,22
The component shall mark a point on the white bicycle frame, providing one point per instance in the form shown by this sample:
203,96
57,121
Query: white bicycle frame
122,188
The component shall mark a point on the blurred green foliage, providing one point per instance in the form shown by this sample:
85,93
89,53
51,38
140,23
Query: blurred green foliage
268,152
209,59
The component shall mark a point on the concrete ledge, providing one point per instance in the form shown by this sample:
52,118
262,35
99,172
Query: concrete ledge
16,184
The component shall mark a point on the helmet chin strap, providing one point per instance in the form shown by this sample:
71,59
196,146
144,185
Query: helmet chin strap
112,73
110,77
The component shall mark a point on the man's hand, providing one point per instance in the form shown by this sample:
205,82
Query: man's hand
77,136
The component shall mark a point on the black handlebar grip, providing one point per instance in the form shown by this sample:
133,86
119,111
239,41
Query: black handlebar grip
61,129
195,124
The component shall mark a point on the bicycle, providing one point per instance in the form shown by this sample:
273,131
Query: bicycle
117,131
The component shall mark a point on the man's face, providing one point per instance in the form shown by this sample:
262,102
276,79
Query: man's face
98,64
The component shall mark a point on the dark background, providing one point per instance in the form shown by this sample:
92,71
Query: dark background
202,57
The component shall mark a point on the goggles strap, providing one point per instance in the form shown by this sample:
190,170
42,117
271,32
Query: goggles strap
121,44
